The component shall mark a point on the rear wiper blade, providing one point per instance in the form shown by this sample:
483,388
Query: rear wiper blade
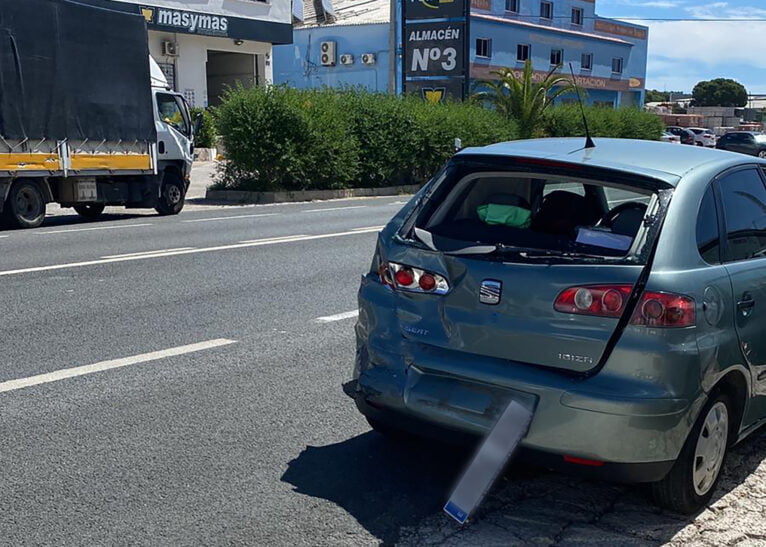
528,252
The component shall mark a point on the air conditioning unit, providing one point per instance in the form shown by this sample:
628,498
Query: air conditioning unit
170,48
327,53
368,58
347,59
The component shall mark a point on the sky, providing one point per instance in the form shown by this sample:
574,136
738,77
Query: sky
681,53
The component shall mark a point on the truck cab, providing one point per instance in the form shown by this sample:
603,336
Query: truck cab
112,133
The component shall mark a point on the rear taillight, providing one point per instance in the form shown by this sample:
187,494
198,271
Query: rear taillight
407,278
600,300
659,309
655,309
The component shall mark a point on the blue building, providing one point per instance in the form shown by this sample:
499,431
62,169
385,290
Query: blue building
608,56
338,44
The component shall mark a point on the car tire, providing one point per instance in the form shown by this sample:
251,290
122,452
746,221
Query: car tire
89,210
25,206
762,154
691,482
172,195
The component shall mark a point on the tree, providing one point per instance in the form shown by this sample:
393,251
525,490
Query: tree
520,97
654,96
719,92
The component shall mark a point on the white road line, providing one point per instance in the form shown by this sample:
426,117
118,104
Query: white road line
39,233
20,383
231,217
254,243
148,252
369,228
337,317
334,209
1,237
274,239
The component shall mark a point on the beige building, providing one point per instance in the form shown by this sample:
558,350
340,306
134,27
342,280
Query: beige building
205,46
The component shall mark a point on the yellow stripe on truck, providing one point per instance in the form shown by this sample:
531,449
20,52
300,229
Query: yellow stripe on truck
29,162
110,162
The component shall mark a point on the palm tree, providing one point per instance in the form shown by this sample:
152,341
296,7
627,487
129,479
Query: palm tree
520,97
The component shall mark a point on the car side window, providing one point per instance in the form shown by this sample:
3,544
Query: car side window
744,203
708,236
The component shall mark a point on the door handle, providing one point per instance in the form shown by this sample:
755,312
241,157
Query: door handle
746,304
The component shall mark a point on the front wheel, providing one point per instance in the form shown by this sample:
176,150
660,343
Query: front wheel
89,210
691,482
25,207
172,195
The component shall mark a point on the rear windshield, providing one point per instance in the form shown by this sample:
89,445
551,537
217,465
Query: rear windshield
536,216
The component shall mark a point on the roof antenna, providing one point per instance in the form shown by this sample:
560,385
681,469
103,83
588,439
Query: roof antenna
588,141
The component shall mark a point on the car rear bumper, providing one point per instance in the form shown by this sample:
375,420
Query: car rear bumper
635,439
613,471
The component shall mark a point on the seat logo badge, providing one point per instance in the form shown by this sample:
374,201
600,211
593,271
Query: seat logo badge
490,292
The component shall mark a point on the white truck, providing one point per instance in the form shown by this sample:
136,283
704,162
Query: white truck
87,118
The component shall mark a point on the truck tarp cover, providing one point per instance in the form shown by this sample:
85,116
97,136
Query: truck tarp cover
71,71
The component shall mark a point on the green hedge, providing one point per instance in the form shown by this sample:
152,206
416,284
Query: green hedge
284,138
207,132
624,123
279,138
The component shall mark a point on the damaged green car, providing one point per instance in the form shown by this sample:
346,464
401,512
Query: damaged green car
619,291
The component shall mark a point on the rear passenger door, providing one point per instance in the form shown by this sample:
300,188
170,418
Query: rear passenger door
743,200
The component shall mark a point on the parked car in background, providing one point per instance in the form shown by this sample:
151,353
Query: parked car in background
744,142
670,137
703,137
618,292
687,136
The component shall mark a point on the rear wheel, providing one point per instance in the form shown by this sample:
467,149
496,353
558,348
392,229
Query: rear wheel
692,480
172,195
89,210
25,207
762,154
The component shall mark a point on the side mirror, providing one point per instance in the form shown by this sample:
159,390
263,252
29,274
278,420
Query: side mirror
197,124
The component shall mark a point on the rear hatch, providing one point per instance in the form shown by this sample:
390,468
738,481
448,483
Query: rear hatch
535,265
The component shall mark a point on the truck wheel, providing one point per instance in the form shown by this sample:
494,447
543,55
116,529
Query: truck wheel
172,196
691,482
25,207
89,210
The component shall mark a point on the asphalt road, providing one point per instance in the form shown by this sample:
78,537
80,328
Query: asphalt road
176,381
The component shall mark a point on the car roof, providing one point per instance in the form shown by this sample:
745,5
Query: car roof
655,159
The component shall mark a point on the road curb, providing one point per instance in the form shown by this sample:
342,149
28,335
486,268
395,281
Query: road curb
236,196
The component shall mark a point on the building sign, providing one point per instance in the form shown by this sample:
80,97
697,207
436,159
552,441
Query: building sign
201,23
437,48
485,72
436,91
620,30
186,21
481,4
434,9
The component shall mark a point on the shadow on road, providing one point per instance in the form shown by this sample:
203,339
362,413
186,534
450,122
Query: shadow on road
64,219
384,485
399,489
